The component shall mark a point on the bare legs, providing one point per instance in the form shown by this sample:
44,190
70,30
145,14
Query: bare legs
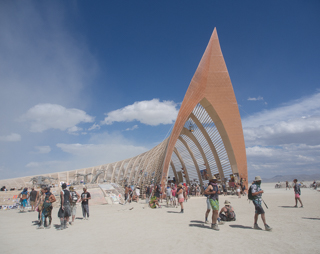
299,201
215,214
207,214
263,217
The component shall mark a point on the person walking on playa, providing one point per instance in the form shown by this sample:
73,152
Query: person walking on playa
73,204
33,198
238,190
137,194
47,207
256,199
85,196
169,195
40,200
180,192
297,193
213,196
224,189
174,198
64,212
24,195
287,185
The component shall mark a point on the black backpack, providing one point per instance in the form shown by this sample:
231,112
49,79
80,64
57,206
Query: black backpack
250,196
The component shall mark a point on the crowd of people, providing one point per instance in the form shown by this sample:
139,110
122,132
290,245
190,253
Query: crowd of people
174,195
42,203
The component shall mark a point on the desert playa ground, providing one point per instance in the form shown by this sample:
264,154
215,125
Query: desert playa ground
135,228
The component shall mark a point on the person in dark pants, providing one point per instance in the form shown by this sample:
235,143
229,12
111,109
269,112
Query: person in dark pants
85,196
65,210
33,197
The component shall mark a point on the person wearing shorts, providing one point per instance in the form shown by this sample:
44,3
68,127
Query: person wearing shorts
257,194
75,197
213,198
24,195
64,211
174,198
180,192
297,193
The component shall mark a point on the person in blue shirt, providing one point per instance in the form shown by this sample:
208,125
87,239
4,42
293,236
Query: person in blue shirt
257,194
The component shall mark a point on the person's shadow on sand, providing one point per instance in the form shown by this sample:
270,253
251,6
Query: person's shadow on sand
240,226
35,223
286,206
199,226
172,212
307,218
57,226
197,221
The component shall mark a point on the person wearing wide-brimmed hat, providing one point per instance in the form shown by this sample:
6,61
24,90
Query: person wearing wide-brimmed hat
227,213
256,195
213,199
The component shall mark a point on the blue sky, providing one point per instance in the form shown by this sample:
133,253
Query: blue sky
86,83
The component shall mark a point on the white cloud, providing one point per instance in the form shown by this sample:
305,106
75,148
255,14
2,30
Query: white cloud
300,130
51,116
13,137
151,112
43,149
94,127
284,159
284,140
132,128
259,98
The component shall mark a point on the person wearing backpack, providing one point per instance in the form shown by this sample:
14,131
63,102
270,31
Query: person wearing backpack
73,204
255,194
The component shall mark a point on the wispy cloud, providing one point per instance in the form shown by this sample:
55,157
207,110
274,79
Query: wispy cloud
132,128
259,98
94,127
13,137
307,106
151,112
43,149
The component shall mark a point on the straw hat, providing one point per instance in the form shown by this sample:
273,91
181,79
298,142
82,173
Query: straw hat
213,178
180,185
227,202
257,178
